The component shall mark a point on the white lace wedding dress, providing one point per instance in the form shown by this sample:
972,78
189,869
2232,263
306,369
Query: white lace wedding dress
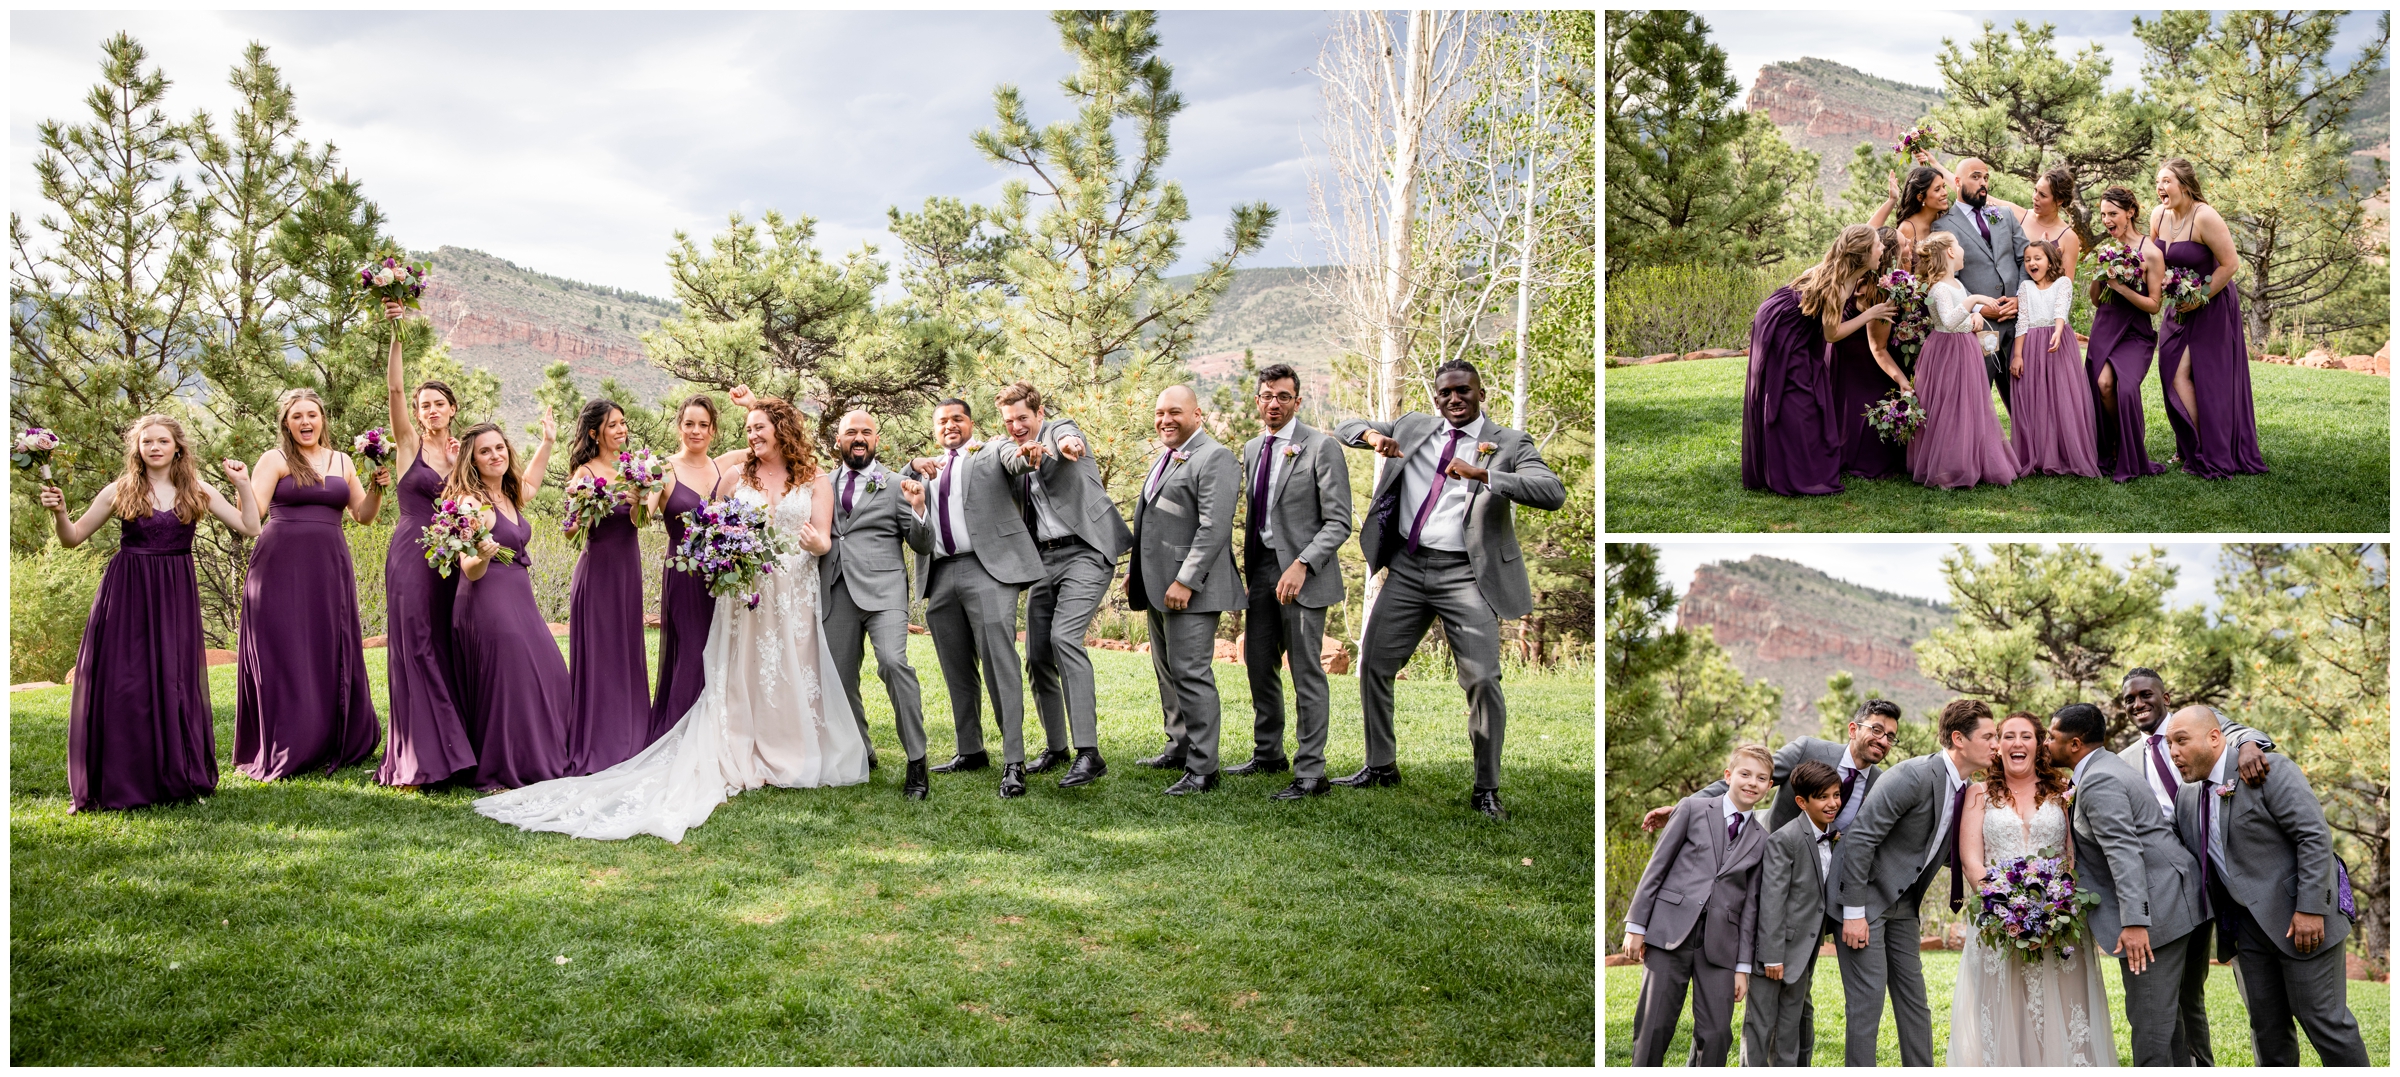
769,713
2007,1011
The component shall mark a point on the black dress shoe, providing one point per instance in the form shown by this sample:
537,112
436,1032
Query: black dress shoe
1192,783
1256,765
1050,759
1088,767
969,761
1302,787
1368,776
873,762
1487,801
915,786
1166,760
1012,780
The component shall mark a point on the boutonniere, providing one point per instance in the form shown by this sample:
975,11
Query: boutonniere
2226,790
1991,214
1180,455
1485,448
972,446
1833,837
2066,797
1290,451
875,481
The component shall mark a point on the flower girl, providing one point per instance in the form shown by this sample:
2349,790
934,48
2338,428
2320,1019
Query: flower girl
1960,445
2051,426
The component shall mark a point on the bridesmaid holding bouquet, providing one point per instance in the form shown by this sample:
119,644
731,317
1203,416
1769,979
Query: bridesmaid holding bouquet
1790,429
2050,417
1864,371
608,710
2123,334
514,681
2202,356
685,608
1960,444
139,727
302,701
428,741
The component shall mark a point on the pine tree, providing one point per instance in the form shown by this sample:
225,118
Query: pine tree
2023,109
1675,194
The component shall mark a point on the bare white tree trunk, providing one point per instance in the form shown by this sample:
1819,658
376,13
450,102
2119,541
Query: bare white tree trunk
1523,382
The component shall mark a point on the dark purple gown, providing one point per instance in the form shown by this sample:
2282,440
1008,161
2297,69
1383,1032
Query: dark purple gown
302,701
139,727
1857,384
608,672
685,609
2123,338
2225,442
428,741
510,671
1791,434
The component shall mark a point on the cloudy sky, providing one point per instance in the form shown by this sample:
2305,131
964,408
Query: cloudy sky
577,143
1903,49
1915,568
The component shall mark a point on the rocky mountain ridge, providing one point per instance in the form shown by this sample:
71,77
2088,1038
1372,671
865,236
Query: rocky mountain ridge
1793,626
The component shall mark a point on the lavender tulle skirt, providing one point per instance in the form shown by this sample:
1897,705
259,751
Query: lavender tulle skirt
1960,444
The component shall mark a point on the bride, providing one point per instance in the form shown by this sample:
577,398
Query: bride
2005,1010
765,715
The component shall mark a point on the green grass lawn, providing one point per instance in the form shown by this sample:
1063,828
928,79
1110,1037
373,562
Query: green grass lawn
2228,1021
330,921
1675,455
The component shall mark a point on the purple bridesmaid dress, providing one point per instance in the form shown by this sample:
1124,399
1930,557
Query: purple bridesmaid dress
428,741
2050,411
1857,384
685,610
1791,435
139,728
2123,339
2225,441
510,671
608,672
302,701
1960,443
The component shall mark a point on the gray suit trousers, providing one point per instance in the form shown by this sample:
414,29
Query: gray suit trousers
2192,1003
1775,1018
1183,647
1058,611
847,629
1274,630
973,618
2154,1004
1890,963
2279,989
1666,974
1417,588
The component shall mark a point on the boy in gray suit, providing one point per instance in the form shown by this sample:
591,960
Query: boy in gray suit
2279,894
1694,917
1792,920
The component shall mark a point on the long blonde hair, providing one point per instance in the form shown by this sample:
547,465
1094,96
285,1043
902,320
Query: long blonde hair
133,486
1847,260
294,461
1933,258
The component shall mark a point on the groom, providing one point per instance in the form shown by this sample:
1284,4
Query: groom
1995,249
1906,829
2148,887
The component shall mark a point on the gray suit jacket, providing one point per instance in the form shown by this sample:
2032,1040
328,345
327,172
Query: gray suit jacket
1792,754
1519,477
1692,873
1309,509
1883,853
995,529
1184,532
2125,853
2278,852
2235,732
1074,490
1993,268
867,541
1791,898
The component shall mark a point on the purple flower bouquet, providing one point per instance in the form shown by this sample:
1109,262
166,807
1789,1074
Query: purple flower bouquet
1897,417
1917,138
2031,905
387,276
375,445
456,529
33,449
1909,327
2119,263
730,543
590,497
2183,286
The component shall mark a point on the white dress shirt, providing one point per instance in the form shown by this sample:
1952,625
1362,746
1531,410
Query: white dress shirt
1824,848
1271,457
2219,777
1446,528
1047,527
954,465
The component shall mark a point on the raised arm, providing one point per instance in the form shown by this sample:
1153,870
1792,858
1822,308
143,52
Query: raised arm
538,469
366,496
243,520
403,418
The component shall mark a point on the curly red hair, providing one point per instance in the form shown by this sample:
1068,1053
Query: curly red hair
791,440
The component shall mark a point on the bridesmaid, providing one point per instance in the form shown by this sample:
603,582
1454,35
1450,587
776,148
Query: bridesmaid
1923,200
509,668
2050,413
428,742
1960,444
2202,357
2123,338
608,708
139,728
1863,372
302,701
685,606
1790,431
2043,221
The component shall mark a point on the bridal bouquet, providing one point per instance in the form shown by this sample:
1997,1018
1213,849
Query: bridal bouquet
730,543
2119,263
1897,417
2183,286
589,498
1917,138
385,276
456,529
1915,318
376,446
33,450
2030,904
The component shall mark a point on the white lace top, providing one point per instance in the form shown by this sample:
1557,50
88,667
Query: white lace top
2041,308
1949,302
2005,835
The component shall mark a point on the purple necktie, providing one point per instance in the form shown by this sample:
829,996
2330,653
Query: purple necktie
1733,829
1441,469
2208,815
1150,488
948,470
1849,778
2165,773
1982,225
849,483
1958,879
1258,486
